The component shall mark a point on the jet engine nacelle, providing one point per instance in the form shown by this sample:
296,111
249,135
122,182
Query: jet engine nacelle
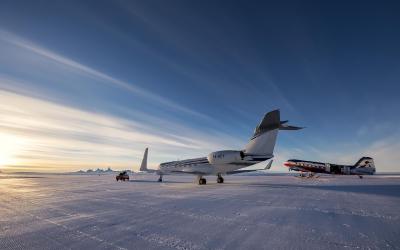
225,157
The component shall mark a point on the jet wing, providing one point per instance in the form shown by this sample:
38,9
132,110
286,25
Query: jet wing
268,166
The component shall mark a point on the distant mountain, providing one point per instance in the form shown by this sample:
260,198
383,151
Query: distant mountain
101,171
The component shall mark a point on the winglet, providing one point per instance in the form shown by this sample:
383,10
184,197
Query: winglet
143,167
269,165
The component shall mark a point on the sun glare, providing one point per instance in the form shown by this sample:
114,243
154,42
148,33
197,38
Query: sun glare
10,146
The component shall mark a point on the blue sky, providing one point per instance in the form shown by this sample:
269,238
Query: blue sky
92,83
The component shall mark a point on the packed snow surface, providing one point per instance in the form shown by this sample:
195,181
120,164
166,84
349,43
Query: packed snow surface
245,212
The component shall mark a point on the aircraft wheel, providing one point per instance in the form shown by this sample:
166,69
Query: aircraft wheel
220,180
202,181
160,179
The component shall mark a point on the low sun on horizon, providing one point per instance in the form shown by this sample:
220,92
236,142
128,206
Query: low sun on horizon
10,147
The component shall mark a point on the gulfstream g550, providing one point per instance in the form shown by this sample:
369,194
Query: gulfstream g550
260,148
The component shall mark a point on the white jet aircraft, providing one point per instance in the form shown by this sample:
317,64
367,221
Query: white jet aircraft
260,148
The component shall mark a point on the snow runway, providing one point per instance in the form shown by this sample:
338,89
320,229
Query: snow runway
246,212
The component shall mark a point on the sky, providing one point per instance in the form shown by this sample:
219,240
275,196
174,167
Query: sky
91,84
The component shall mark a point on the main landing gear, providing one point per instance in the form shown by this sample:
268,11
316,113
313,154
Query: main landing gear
201,180
160,179
220,179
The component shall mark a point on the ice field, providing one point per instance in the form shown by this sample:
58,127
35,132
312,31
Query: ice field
246,212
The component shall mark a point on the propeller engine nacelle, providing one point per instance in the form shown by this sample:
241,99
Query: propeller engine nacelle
225,157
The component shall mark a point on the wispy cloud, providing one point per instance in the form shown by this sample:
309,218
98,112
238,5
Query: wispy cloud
30,46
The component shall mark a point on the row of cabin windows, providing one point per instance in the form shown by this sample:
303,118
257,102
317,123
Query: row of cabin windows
180,165
218,156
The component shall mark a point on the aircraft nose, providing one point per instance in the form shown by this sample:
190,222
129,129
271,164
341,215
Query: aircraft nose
288,164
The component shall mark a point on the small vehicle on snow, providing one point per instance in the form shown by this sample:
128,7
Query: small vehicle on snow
123,176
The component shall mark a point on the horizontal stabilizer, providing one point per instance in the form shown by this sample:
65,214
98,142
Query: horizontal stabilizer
285,121
289,127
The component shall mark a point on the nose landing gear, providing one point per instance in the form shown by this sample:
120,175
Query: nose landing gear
220,179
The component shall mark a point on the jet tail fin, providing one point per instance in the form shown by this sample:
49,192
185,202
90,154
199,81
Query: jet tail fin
143,167
365,162
263,140
265,134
